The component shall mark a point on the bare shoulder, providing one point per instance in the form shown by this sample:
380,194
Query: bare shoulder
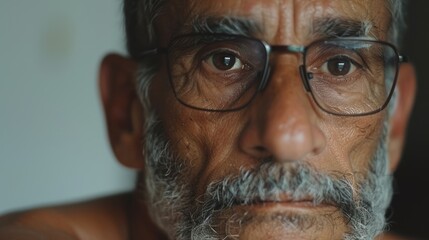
390,236
103,218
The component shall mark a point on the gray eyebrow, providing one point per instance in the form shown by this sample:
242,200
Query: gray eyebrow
333,27
325,27
223,25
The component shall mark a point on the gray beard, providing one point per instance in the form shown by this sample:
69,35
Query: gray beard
184,216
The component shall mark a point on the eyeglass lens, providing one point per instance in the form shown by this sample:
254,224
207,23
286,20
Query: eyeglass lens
351,77
223,72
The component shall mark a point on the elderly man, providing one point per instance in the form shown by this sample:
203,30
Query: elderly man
252,119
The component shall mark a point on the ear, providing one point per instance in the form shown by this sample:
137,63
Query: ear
406,86
122,108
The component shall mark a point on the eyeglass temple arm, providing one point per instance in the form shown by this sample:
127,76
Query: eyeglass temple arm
151,52
403,59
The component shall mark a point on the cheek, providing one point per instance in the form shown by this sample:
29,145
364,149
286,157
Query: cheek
353,142
203,141
368,140
175,121
207,144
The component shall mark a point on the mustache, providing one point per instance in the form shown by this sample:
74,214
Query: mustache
273,182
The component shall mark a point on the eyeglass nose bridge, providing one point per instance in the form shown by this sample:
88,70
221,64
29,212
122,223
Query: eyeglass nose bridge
283,49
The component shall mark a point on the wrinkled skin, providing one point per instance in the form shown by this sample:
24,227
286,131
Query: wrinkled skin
282,122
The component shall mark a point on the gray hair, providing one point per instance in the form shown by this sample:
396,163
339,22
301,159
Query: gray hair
140,16
397,29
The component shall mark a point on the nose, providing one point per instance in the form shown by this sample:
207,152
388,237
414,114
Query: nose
283,122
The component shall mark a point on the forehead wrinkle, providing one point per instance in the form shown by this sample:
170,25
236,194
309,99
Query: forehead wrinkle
236,17
342,19
289,22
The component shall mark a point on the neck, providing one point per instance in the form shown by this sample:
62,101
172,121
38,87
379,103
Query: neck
140,224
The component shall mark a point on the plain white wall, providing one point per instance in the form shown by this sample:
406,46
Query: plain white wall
53,145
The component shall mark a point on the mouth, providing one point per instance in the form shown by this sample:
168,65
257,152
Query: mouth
285,202
290,206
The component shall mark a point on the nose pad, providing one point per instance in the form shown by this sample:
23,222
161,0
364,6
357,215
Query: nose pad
305,77
265,76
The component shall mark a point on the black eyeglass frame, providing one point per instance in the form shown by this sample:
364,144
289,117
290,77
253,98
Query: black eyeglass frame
282,49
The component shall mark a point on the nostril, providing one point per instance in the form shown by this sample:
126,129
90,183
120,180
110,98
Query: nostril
260,149
260,152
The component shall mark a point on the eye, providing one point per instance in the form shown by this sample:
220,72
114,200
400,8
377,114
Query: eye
339,66
225,60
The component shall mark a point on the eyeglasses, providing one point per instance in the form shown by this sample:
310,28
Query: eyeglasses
221,72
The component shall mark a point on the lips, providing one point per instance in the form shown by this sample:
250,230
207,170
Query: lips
284,200
278,199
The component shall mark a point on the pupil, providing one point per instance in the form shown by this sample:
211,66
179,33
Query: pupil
339,66
224,61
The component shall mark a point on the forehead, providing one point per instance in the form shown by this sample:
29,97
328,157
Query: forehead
289,19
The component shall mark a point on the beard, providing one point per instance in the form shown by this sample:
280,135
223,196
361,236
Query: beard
183,216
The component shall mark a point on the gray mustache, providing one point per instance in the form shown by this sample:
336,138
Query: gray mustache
272,182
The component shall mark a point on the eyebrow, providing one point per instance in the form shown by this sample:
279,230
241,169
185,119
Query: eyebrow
324,27
223,25
333,27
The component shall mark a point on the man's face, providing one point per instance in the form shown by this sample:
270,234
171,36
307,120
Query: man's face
281,133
